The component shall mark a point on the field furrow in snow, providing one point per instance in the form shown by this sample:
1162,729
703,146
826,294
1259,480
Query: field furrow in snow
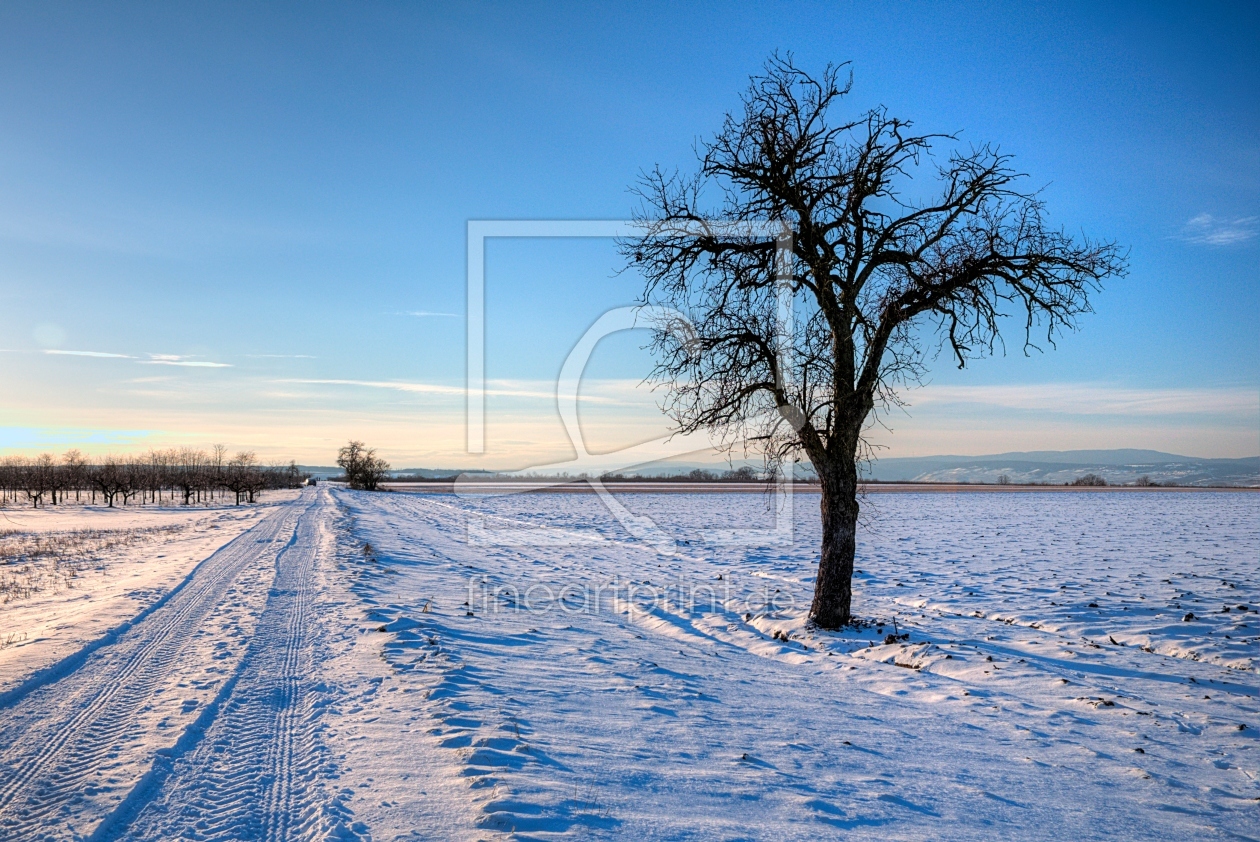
71,748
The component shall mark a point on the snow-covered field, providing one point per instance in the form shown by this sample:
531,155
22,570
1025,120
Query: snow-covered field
116,563
355,667
1009,712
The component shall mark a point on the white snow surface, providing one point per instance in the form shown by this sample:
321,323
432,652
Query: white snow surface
1049,688
405,666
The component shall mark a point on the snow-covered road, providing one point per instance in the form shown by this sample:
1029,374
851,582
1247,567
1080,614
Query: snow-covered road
249,768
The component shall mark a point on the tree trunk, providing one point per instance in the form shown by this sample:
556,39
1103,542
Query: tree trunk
833,590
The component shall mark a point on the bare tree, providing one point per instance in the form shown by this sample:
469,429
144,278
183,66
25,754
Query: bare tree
364,469
55,477
108,478
238,478
131,477
350,458
190,474
9,473
154,474
35,477
879,279
76,471
218,455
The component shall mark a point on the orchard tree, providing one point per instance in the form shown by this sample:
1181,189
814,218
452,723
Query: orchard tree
239,478
896,253
109,478
75,467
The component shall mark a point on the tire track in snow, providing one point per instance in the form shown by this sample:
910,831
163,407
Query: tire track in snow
255,772
58,736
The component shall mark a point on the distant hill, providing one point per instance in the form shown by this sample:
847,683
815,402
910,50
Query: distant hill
1057,467
1053,466
320,471
1120,456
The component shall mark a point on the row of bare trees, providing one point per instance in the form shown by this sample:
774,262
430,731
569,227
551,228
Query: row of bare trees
184,475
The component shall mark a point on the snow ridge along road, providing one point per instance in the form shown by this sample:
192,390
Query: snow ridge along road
73,747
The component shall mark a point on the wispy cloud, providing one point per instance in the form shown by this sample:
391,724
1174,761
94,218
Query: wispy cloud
280,356
420,388
396,385
1210,230
509,389
154,359
181,360
1094,399
187,363
100,354
423,314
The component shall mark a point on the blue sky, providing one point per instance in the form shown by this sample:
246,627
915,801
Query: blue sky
243,203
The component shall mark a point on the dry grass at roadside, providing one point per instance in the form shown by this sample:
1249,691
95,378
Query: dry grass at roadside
33,562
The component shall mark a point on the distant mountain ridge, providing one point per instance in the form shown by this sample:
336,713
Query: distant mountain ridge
1119,467
1118,456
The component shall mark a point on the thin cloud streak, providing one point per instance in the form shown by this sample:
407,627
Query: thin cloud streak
439,389
98,354
400,386
1094,399
1206,229
154,359
186,363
